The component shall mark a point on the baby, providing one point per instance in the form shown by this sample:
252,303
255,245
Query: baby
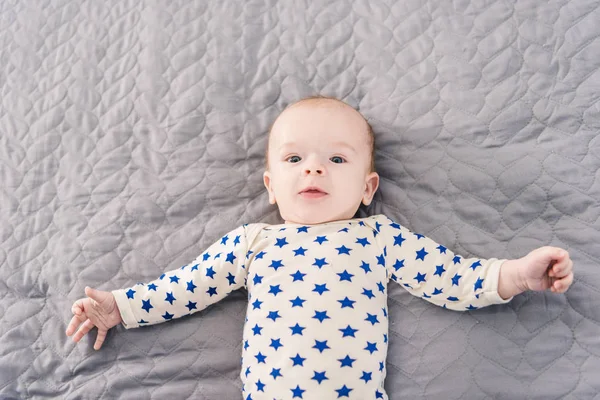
316,323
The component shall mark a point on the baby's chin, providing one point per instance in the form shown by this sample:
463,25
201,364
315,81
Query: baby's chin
312,218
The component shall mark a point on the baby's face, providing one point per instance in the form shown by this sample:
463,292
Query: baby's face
319,162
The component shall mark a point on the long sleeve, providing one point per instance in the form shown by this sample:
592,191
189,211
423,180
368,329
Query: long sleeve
431,271
210,277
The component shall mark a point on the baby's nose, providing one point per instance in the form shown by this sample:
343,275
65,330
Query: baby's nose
314,165
316,170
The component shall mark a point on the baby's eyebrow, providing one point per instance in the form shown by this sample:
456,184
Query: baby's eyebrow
288,145
343,144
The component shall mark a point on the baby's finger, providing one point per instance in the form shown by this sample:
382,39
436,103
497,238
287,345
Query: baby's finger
100,339
561,285
77,308
562,269
83,330
75,322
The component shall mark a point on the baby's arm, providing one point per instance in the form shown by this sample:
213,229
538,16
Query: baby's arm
209,278
431,271
214,274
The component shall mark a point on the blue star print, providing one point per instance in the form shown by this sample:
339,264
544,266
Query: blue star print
297,392
321,239
371,347
343,250
276,264
281,242
346,361
299,251
439,270
298,276
478,284
230,278
212,291
475,265
297,329
321,345
343,391
372,318
319,292
273,315
298,360
346,302
191,286
146,305
297,302
365,267
368,293
320,288
398,264
260,358
275,373
170,298
230,257
421,254
455,279
398,240
210,272
366,376
321,315
319,376
256,304
345,276
348,331
363,241
274,289
257,329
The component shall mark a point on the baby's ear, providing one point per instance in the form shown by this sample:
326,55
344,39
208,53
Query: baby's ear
269,186
371,185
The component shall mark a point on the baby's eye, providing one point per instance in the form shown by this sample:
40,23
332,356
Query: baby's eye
337,159
294,159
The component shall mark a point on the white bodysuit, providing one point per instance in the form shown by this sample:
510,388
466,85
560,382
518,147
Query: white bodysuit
316,323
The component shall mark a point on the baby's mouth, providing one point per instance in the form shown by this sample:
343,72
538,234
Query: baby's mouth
313,192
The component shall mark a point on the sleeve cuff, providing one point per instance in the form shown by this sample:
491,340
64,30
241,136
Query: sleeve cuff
491,290
127,316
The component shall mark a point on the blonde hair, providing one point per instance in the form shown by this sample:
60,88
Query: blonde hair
318,100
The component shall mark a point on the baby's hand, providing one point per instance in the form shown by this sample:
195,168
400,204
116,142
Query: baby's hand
99,309
547,268
543,268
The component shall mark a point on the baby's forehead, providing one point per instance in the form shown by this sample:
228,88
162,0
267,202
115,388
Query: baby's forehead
314,104
308,108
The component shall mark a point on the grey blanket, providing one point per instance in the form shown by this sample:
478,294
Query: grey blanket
132,135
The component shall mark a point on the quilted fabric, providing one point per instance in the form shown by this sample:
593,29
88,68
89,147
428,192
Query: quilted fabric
132,135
